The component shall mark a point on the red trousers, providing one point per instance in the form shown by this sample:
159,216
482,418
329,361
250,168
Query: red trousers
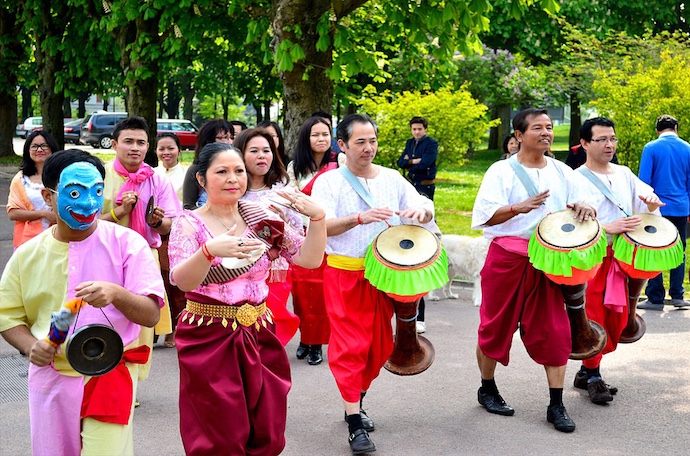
514,294
361,334
310,305
613,322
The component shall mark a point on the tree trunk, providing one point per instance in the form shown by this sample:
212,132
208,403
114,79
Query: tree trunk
27,105
267,110
498,134
259,114
10,45
8,121
51,102
81,109
66,108
575,120
224,104
188,98
303,95
172,105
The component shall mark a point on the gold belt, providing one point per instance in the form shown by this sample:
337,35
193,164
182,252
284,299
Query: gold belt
246,314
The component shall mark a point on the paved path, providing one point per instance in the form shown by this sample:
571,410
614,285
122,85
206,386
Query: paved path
435,413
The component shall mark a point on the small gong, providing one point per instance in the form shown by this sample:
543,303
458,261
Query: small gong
94,349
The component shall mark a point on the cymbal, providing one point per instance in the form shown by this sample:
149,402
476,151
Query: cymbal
407,245
94,349
654,231
236,263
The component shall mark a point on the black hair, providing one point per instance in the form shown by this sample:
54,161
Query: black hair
172,136
27,165
521,120
281,141
344,130
586,128
208,154
243,126
506,141
208,132
419,120
666,122
131,123
303,159
276,172
323,114
60,160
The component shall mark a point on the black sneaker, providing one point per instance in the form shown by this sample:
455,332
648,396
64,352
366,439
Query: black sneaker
558,416
494,403
580,382
360,442
598,392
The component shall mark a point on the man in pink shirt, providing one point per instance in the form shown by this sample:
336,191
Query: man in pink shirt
113,272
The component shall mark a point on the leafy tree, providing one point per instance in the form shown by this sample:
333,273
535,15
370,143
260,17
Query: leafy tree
13,52
456,121
636,94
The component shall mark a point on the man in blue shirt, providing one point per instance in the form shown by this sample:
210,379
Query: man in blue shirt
665,165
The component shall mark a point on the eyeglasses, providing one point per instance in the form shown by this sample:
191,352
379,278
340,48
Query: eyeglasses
223,138
613,140
43,146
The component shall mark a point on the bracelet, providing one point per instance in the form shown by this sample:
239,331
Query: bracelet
112,214
512,211
206,253
160,222
318,219
359,218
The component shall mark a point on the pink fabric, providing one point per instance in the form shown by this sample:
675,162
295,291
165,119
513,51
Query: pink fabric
113,254
361,333
137,219
55,421
610,317
514,294
189,232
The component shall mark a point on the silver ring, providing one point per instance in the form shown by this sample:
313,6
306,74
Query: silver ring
240,244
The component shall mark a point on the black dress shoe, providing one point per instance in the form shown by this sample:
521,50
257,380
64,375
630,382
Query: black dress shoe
494,403
315,355
557,415
367,422
580,382
360,442
302,351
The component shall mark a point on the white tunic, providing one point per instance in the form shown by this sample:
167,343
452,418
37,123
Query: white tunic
625,187
501,187
388,190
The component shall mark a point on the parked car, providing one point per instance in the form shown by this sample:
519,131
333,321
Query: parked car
29,125
73,131
97,129
184,129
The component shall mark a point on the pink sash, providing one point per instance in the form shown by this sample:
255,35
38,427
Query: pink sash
137,219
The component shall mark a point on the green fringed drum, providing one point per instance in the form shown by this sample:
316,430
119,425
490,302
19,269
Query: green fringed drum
569,252
653,247
406,262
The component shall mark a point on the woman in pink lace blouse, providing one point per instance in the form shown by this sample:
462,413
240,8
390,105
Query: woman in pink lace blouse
234,372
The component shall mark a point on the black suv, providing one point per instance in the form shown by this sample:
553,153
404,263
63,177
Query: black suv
97,129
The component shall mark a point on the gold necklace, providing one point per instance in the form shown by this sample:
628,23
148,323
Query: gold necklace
208,208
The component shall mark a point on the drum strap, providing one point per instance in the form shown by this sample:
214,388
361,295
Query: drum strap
602,188
357,186
523,176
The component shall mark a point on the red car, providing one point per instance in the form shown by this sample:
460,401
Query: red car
184,129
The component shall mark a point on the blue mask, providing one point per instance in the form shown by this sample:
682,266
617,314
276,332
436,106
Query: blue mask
80,195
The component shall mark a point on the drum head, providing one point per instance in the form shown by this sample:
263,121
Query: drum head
94,350
407,245
561,230
237,263
654,231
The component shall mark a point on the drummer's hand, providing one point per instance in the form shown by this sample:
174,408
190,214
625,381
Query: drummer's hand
531,203
623,225
228,245
583,211
420,215
377,214
652,201
97,293
42,353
